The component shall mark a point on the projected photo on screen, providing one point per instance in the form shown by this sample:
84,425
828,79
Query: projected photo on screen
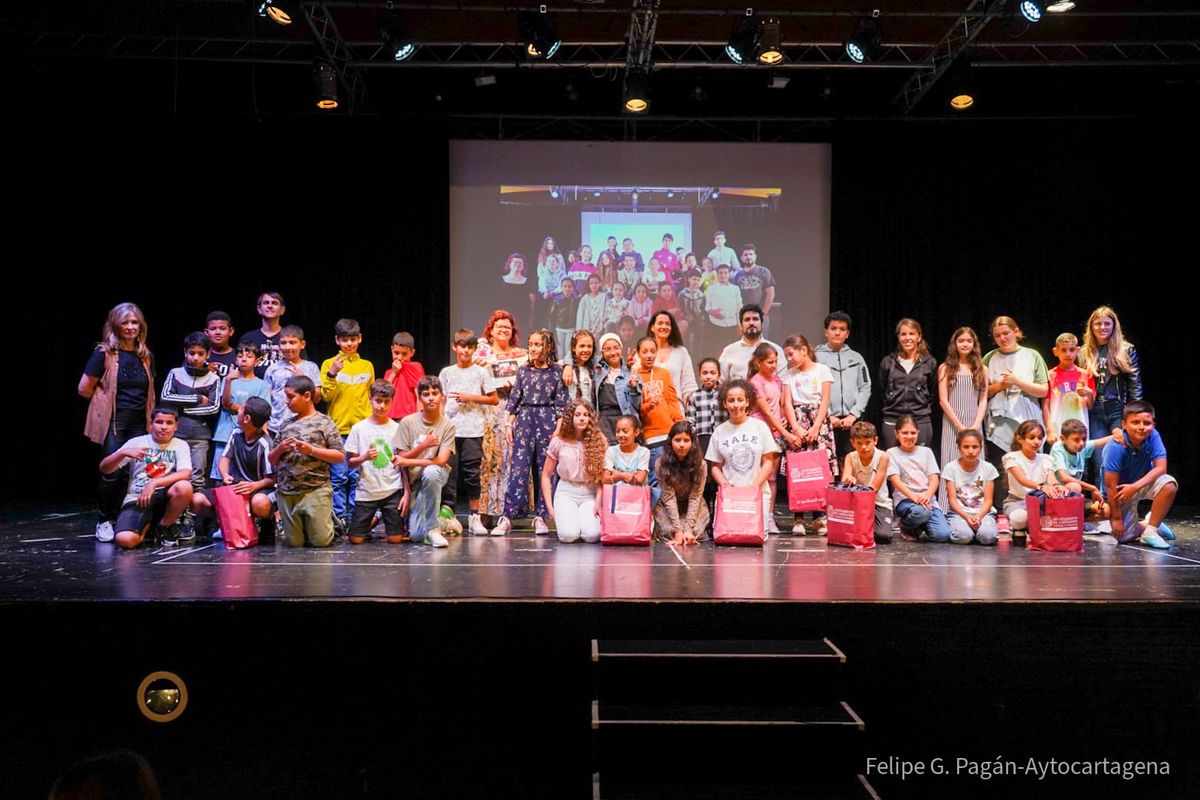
613,233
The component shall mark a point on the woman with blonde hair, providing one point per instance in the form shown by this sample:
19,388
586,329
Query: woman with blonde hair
118,382
1113,360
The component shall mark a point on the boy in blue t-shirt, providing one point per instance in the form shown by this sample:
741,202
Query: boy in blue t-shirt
1070,456
1137,470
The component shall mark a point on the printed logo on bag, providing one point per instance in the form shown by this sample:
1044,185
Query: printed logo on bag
1061,523
844,516
629,508
730,505
807,474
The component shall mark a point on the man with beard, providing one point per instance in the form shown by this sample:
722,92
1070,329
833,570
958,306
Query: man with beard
735,358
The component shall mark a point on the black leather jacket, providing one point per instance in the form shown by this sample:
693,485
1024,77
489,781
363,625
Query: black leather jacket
1122,387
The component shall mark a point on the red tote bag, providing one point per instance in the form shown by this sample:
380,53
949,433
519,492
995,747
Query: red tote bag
807,478
1055,524
739,518
850,515
233,515
625,514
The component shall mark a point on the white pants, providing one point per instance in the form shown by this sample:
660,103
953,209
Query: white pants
575,512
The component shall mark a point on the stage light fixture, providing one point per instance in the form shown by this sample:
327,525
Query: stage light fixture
1031,10
716,192
770,43
637,91
162,696
1060,6
325,79
554,192
866,43
273,11
396,37
743,38
537,33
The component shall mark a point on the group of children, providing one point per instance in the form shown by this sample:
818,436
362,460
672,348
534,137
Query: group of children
396,451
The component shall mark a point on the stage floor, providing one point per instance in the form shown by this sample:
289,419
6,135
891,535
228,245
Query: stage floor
53,556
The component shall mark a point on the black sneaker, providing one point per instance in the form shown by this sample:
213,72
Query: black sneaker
168,535
187,529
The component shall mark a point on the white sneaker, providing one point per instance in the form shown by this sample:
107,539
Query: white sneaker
798,528
539,527
475,526
436,538
105,532
822,523
503,526
216,534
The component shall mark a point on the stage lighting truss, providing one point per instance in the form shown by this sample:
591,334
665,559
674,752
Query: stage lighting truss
537,32
274,11
866,43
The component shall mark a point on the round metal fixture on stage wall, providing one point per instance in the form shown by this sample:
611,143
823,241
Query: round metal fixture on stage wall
162,696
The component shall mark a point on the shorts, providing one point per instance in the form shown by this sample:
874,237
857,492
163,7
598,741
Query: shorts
140,520
1151,491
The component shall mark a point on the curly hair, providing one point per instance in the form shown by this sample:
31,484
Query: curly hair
682,475
496,316
594,442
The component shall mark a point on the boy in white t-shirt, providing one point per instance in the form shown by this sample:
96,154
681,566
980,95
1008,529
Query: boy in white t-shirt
468,388
738,446
867,465
380,485
159,481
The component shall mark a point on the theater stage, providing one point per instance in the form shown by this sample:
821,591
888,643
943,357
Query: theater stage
502,667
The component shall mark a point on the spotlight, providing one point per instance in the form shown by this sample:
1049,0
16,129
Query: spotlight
866,44
326,84
273,11
743,38
394,35
637,91
1059,6
596,193
485,80
962,95
770,49
1031,10
716,192
779,82
554,192
670,195
536,30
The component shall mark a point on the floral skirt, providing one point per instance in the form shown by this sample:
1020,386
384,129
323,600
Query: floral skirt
805,414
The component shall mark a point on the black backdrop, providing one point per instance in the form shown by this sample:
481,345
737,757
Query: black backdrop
950,222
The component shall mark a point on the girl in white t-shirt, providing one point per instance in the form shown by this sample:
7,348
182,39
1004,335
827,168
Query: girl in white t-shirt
806,388
970,484
1028,468
740,449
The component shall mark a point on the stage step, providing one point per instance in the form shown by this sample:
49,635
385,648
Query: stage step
759,712
724,672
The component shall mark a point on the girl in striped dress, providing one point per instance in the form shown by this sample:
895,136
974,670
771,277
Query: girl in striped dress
962,394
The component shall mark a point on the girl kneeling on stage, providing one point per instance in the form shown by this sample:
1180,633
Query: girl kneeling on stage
576,457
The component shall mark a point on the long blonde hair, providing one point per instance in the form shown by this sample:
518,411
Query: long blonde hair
110,340
594,442
1118,348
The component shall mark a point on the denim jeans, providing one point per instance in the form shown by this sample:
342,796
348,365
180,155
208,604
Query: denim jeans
345,485
961,533
426,501
930,520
